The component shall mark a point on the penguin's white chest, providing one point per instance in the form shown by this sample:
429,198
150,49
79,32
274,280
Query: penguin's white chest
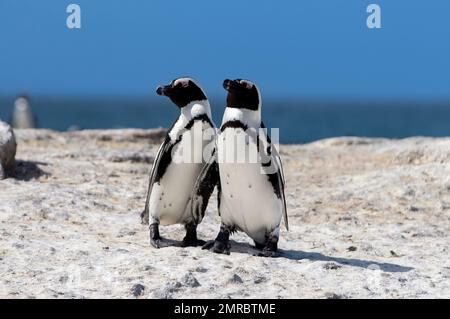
170,197
248,200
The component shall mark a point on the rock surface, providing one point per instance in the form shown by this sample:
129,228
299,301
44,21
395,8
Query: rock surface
7,150
369,218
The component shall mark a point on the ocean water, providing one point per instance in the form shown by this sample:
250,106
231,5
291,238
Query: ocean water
298,121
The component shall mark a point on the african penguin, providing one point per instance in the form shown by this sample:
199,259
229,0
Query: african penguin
176,167
249,174
22,115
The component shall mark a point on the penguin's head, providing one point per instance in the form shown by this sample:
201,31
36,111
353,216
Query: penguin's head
182,91
242,94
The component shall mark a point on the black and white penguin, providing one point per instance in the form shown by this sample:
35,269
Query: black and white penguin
22,115
179,161
248,172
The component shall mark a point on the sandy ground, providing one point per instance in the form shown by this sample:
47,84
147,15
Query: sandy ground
369,218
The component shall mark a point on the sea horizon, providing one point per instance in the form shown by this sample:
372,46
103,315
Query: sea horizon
299,120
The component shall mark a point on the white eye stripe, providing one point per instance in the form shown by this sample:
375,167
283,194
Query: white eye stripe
183,81
249,85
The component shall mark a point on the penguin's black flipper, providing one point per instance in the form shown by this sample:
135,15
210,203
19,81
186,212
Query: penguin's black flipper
204,186
164,148
274,169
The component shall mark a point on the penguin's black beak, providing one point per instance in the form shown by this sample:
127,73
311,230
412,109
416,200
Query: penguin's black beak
227,84
163,90
159,90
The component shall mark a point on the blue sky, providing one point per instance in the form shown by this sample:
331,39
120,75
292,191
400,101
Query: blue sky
301,49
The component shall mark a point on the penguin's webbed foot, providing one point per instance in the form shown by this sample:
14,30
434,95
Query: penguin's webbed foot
217,247
221,248
191,240
271,246
208,245
155,239
162,242
156,243
222,243
268,253
259,246
187,242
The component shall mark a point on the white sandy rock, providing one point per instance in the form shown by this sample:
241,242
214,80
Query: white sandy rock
7,150
369,218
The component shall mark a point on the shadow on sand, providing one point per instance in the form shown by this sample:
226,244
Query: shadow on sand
28,170
313,256
370,264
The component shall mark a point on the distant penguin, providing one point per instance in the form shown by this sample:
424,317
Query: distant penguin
172,181
22,115
251,188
